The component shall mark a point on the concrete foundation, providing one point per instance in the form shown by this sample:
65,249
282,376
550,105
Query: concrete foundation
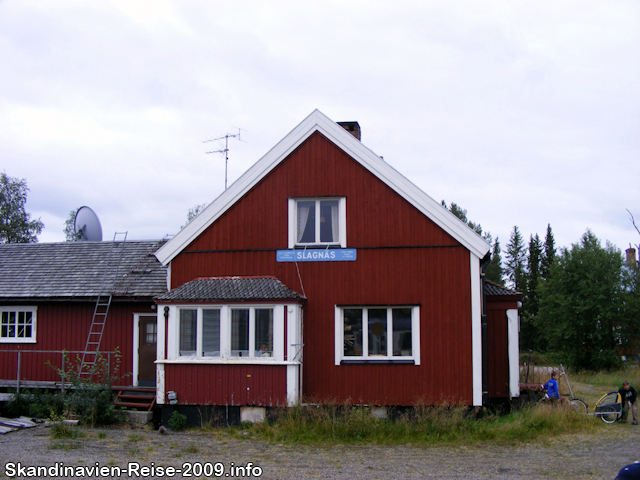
138,419
379,412
253,414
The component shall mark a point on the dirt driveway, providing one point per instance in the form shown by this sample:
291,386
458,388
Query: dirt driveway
198,454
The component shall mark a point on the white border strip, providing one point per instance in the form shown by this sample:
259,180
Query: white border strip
476,329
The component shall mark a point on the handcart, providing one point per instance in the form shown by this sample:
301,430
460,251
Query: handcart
609,407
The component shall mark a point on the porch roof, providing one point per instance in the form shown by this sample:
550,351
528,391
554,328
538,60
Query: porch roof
231,289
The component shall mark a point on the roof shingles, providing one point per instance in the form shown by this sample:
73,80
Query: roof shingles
76,270
225,289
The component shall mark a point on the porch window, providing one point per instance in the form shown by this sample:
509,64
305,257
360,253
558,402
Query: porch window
229,331
377,333
199,332
18,324
252,332
317,222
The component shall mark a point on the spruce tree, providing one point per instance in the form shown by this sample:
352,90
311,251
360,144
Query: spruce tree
493,271
515,261
531,339
549,254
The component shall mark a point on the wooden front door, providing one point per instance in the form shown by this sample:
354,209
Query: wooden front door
148,338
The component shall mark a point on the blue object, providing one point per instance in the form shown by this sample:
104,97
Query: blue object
317,255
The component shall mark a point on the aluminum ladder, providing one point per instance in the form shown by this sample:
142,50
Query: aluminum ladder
103,302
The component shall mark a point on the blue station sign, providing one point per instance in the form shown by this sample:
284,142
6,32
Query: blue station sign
317,255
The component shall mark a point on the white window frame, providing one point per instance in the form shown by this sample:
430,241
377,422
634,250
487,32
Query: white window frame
293,222
341,358
34,322
225,333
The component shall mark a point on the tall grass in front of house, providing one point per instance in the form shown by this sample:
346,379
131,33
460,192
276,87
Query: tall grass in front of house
422,425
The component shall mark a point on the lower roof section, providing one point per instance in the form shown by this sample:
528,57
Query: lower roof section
231,289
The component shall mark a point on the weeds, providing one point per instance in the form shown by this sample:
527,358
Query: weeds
191,449
178,421
65,446
452,425
61,431
89,398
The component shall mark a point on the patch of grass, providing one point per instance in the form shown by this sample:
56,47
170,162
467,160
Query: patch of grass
60,431
449,425
102,435
134,437
191,449
65,446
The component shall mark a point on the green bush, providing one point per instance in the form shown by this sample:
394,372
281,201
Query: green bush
178,421
36,404
89,399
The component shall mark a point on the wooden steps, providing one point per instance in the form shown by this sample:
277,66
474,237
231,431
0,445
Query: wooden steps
136,398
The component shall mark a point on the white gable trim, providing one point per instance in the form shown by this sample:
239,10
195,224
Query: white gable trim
317,121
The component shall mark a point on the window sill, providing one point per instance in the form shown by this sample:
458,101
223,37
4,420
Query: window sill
225,361
17,340
386,361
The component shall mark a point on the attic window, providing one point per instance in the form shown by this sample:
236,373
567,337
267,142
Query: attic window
18,324
317,222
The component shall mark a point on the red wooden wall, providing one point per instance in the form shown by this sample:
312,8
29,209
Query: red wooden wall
498,344
403,259
264,385
64,326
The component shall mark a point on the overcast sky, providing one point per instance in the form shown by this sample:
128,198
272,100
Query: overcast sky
524,113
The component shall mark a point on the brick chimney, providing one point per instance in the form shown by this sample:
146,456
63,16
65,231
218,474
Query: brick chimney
631,256
352,127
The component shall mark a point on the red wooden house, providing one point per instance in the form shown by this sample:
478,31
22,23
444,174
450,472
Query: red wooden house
323,274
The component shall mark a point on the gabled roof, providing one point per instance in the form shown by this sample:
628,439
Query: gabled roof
74,270
231,289
318,122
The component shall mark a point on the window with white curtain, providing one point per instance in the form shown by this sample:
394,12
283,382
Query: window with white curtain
229,331
317,222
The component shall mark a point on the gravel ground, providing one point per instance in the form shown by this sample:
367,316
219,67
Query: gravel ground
565,457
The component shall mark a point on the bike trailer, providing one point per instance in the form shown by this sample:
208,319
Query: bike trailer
609,407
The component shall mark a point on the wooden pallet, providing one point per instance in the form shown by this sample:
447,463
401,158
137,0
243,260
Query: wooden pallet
136,398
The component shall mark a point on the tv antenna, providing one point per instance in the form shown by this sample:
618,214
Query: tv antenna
224,150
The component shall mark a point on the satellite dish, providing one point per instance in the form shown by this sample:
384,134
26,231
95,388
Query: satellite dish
87,226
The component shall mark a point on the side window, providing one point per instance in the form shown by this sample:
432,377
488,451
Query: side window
18,324
377,333
317,222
